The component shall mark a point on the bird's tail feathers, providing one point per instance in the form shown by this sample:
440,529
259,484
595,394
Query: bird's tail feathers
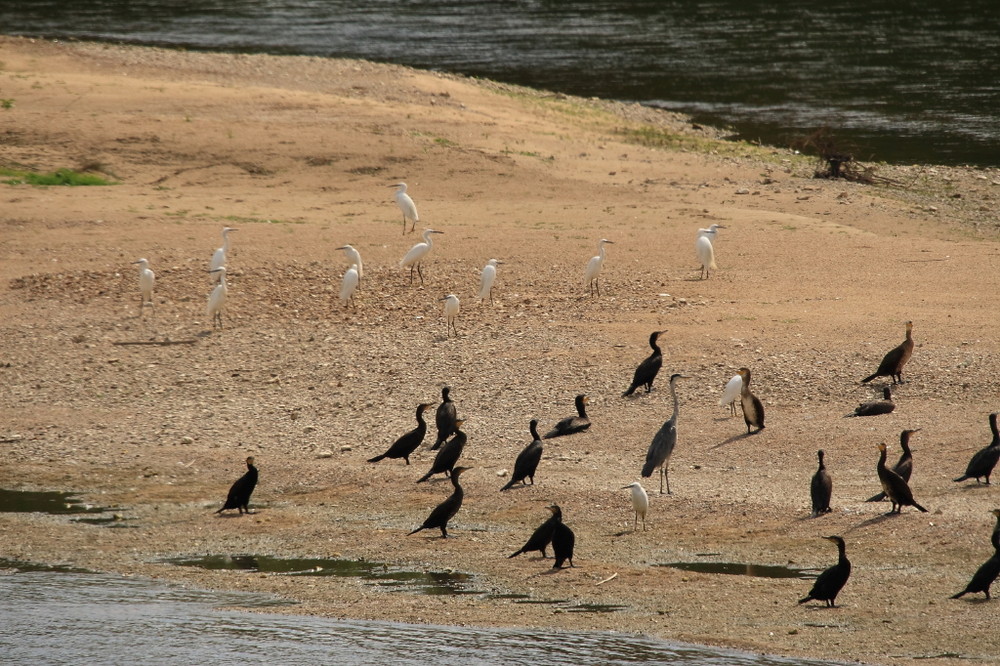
376,458
922,509
515,554
876,498
802,601
647,470
959,595
869,378
961,478
415,531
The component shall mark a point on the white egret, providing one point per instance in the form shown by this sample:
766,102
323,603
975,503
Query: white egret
416,255
712,233
730,394
146,280
217,299
219,258
406,205
662,446
354,257
487,277
706,255
349,285
451,307
640,502
592,275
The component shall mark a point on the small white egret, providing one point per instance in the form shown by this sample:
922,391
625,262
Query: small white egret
640,502
217,299
146,280
730,394
416,255
487,276
406,205
451,307
219,258
706,255
354,258
592,276
349,285
712,233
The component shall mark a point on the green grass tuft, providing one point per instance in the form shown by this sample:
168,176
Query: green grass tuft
58,177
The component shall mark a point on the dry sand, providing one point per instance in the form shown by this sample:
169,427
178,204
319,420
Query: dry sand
815,282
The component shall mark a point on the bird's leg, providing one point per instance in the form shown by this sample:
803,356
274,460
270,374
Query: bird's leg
404,224
444,532
661,480
411,267
597,282
666,474
420,272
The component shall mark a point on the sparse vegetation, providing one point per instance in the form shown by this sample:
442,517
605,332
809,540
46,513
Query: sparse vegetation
58,177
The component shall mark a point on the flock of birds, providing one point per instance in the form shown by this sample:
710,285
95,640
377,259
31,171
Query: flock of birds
451,441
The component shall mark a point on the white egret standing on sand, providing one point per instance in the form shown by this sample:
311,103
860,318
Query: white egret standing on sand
416,255
354,259
712,233
592,275
640,502
219,258
406,205
146,280
706,255
348,285
451,307
730,394
662,446
217,299
487,277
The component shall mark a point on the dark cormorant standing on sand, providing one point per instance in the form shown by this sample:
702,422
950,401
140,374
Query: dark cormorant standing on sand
990,569
753,408
527,459
242,488
447,509
903,466
895,488
875,407
563,541
449,454
542,536
662,446
445,418
821,488
648,369
408,443
572,424
893,362
985,459
829,583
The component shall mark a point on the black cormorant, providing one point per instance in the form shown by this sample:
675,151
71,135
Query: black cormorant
563,541
242,488
447,509
572,424
903,466
875,407
448,455
527,459
408,443
893,362
990,569
542,536
821,488
662,446
648,369
445,418
829,583
753,408
985,459
893,485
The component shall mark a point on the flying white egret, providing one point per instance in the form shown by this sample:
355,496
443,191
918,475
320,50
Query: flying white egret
416,255
348,285
591,276
712,233
640,502
451,307
487,277
217,299
730,394
219,258
354,258
406,205
146,280
706,255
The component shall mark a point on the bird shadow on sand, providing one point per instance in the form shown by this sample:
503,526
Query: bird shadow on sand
736,438
237,515
874,520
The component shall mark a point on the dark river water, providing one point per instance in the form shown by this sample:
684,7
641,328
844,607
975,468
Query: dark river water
904,81
84,618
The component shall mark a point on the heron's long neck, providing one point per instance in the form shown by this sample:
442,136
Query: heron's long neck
600,251
427,239
673,395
